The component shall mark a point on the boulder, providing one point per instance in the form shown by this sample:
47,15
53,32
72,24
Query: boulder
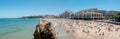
44,30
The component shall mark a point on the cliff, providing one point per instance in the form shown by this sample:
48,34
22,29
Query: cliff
44,30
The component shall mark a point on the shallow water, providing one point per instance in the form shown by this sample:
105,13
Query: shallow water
14,28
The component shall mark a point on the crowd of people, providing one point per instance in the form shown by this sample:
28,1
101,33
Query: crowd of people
90,29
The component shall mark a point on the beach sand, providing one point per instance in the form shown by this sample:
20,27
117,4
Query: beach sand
81,29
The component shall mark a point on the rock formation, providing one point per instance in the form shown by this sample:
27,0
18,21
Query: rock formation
44,30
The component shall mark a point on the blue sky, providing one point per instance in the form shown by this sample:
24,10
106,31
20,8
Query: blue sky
19,8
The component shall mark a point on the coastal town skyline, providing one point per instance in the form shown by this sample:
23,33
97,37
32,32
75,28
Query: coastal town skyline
19,8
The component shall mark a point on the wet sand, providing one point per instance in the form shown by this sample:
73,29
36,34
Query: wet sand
81,29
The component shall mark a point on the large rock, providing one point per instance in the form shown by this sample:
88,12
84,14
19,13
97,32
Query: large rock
44,30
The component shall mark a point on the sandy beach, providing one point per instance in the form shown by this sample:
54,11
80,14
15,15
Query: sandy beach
82,29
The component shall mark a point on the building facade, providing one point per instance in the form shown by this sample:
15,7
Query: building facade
84,14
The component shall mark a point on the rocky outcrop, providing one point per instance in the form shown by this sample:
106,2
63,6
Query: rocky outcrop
44,30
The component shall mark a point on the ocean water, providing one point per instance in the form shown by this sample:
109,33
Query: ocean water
14,28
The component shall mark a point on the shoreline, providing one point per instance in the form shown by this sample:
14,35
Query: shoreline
87,29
